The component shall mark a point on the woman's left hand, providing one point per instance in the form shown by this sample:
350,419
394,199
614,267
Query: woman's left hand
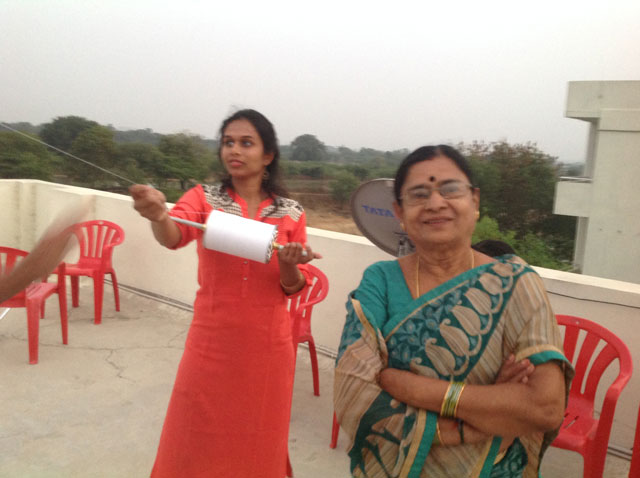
292,253
515,372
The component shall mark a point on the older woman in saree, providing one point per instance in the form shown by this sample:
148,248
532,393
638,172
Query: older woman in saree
450,362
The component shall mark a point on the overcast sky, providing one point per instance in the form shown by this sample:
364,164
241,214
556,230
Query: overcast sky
385,75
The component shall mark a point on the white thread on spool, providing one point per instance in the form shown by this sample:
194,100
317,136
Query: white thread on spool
237,236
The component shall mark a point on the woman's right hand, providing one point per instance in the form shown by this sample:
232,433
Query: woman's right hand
450,433
149,202
152,204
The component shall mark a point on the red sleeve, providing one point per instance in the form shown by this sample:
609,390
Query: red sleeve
193,207
299,232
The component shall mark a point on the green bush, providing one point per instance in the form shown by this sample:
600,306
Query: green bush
342,187
173,194
533,249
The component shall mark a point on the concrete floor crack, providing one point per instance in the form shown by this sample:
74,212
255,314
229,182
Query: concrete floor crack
117,367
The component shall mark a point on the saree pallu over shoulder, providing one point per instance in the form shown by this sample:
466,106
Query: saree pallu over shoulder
459,331
383,430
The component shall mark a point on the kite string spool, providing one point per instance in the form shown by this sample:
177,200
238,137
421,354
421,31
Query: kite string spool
237,235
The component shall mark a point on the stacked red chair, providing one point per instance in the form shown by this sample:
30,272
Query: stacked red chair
300,309
581,431
33,299
634,471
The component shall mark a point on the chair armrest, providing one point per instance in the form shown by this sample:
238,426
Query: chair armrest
609,406
312,302
107,251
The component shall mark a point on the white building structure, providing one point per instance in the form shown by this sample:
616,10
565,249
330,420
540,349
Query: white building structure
607,199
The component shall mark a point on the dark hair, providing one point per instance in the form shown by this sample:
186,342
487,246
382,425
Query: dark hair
426,153
273,184
493,247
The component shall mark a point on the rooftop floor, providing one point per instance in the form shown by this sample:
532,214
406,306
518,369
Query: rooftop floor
94,408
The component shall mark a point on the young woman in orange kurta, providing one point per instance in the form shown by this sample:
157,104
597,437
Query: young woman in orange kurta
230,407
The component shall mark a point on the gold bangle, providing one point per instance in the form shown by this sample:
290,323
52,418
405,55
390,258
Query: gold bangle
295,285
443,407
449,406
438,436
455,410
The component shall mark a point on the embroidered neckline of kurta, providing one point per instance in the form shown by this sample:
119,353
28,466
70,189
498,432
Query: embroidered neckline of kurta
223,199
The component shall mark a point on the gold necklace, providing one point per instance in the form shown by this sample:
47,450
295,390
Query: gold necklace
473,264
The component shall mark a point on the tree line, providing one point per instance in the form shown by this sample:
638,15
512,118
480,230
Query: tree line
517,181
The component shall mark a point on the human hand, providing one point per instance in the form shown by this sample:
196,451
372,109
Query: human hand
296,253
47,253
55,242
515,372
451,436
149,202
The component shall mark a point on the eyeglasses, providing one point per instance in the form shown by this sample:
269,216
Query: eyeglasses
449,190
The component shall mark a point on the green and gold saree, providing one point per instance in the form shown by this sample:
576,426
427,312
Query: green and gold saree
462,330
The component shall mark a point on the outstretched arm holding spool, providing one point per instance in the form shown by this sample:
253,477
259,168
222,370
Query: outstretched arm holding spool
151,204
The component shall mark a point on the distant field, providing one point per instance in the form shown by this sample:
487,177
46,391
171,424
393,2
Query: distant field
331,221
296,185
322,213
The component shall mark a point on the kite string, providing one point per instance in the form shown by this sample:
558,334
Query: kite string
68,154
78,158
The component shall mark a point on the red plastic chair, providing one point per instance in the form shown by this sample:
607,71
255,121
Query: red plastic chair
580,430
97,240
300,308
634,470
335,430
33,299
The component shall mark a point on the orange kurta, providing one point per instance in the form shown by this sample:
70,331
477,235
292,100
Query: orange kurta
230,407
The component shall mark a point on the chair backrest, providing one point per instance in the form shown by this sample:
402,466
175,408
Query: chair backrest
301,305
585,385
9,257
97,240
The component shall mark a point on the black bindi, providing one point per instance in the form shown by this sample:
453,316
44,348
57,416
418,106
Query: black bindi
432,179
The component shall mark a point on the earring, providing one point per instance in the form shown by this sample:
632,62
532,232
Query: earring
477,214
402,225
265,176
